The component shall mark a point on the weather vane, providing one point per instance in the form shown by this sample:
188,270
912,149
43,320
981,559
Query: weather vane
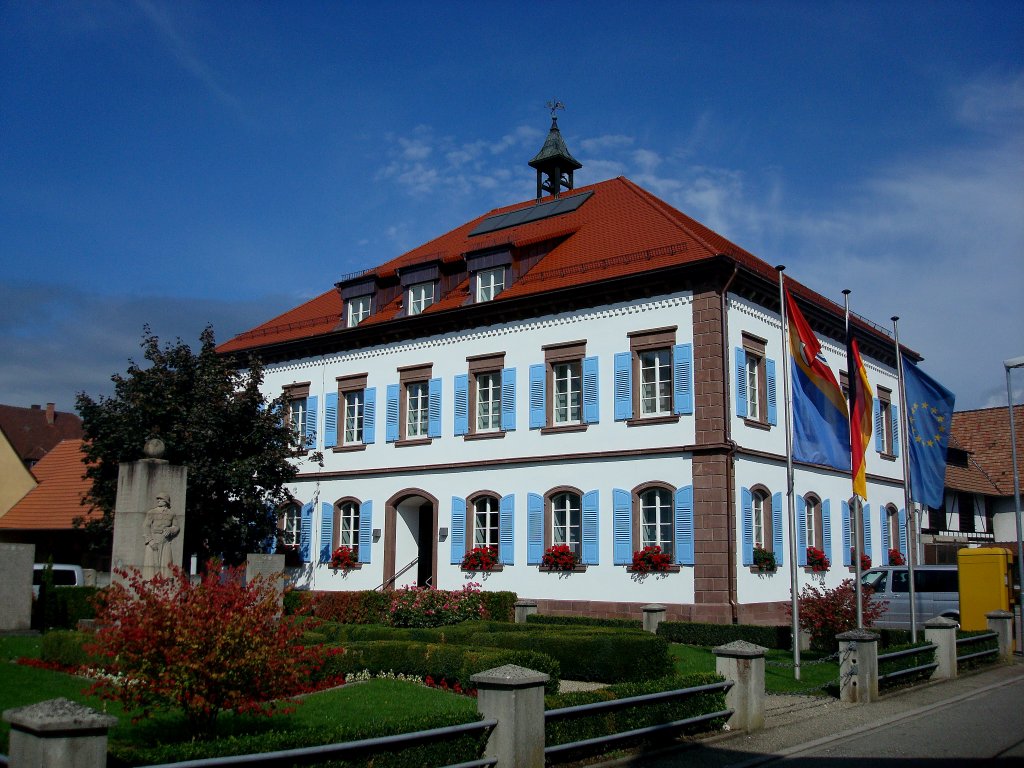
555,104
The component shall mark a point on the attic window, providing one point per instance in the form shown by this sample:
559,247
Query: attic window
956,457
357,310
421,296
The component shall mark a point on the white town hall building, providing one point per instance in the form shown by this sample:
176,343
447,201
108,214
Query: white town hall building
591,368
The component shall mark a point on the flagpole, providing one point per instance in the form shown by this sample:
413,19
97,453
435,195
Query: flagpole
857,510
911,517
794,603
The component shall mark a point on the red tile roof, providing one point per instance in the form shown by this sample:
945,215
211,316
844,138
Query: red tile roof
621,230
30,432
57,500
985,435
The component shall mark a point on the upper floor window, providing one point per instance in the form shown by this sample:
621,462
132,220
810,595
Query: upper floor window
414,405
349,414
489,283
886,425
421,296
300,413
485,397
358,309
654,380
564,390
355,411
755,383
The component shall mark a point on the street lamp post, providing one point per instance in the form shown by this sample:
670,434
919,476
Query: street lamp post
1009,365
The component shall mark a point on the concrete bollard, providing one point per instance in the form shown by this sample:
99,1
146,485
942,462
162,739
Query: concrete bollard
514,696
743,663
523,609
942,632
858,666
654,614
1001,622
58,734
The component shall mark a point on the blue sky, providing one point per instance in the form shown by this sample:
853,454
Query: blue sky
184,163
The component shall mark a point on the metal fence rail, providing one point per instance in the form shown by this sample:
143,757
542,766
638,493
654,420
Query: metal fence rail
915,651
561,750
312,755
986,636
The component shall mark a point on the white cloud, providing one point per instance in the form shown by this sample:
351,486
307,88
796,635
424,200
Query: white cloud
606,143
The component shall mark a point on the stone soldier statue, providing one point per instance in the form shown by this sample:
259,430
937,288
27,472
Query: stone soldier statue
160,527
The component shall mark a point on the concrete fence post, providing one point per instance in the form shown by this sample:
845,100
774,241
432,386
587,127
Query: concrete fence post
942,632
58,734
743,663
858,666
514,696
523,609
654,614
1001,622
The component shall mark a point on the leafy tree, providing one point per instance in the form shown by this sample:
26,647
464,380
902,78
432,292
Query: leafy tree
213,419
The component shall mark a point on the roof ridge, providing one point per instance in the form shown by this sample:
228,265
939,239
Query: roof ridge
660,206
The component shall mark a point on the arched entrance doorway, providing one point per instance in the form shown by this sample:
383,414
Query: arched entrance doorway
410,540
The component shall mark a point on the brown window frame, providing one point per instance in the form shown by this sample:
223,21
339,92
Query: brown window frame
348,385
555,354
653,340
292,392
407,376
885,411
475,366
767,524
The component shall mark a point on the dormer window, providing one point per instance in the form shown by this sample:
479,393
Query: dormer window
489,283
358,310
421,296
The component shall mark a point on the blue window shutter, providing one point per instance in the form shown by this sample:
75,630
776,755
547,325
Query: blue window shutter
507,529
591,504
392,413
330,420
903,531
534,528
365,530
623,386
826,528
879,428
508,399
538,398
895,431
311,409
306,533
434,408
684,525
883,519
747,504
773,411
847,527
457,534
866,517
801,531
682,378
622,527
741,385
326,531
777,529
461,404
591,394
370,415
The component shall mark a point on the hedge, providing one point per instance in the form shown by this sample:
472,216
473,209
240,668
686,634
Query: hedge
562,731
65,647
62,607
452,663
584,621
711,635
374,607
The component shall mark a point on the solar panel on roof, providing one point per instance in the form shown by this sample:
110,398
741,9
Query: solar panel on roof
532,213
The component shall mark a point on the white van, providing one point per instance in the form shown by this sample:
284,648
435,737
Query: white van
936,592
63,576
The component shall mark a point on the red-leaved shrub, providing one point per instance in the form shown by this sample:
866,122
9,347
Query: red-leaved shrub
825,613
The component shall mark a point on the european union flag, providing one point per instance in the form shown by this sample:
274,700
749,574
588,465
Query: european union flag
929,415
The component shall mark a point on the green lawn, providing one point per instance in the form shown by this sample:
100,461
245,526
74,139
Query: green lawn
692,658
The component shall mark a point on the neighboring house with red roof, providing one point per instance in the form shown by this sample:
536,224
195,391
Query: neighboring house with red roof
45,515
33,432
592,368
979,504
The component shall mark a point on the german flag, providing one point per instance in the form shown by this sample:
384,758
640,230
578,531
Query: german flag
861,399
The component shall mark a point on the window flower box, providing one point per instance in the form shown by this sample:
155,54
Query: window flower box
865,561
343,559
652,560
481,559
561,557
896,557
817,562
764,560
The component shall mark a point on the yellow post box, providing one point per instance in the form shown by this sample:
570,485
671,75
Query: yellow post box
985,584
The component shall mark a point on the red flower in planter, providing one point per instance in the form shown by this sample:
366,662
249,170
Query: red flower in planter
560,557
343,558
817,561
651,559
480,559
896,557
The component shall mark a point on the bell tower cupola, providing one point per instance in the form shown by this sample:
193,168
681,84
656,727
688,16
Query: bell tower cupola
553,163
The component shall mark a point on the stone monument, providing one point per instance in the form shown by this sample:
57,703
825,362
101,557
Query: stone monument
16,562
149,514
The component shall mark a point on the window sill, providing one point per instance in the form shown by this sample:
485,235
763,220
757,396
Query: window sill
643,421
758,424
563,428
349,448
415,441
808,569
548,569
887,456
484,435
356,567
764,571
493,569
670,569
